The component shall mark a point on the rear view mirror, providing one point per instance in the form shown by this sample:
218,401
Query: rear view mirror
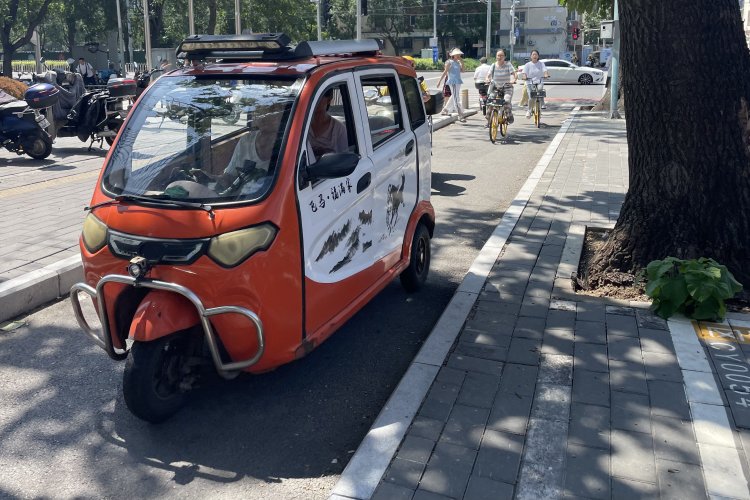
333,166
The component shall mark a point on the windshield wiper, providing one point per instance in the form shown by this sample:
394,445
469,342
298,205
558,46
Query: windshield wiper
158,199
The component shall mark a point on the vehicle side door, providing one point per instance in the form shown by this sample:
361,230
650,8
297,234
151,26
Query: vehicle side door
392,146
557,72
334,213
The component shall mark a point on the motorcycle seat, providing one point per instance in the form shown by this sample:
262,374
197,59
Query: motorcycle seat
13,107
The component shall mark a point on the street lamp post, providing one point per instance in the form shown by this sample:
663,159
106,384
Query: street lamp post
512,34
487,34
359,19
147,34
237,21
191,19
121,40
614,65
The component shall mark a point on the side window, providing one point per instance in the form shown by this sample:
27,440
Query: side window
383,112
413,98
332,124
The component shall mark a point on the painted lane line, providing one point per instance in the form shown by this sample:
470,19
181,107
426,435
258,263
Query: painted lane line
720,459
364,471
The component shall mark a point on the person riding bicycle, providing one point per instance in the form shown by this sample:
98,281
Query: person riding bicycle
534,71
501,77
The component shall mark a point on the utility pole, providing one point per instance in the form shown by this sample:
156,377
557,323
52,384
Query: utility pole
487,34
614,65
317,19
512,37
121,40
237,21
359,19
147,34
130,31
191,19
434,18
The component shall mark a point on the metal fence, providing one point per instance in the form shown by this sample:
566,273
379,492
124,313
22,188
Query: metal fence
30,66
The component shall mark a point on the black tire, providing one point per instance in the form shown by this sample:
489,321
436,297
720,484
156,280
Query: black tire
494,124
37,146
151,381
109,140
414,276
585,79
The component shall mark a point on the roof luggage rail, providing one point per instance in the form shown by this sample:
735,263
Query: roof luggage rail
268,47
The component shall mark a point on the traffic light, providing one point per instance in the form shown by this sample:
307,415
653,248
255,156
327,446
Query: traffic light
325,11
576,33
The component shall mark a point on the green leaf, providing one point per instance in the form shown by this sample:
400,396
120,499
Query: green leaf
665,308
712,309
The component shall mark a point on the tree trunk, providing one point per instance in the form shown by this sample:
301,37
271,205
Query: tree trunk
211,17
688,138
71,24
606,101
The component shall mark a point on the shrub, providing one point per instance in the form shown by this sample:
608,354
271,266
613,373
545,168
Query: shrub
697,288
12,87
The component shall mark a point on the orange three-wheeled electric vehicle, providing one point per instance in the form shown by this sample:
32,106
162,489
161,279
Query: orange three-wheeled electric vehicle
253,201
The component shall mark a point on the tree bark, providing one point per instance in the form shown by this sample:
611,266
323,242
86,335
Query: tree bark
688,138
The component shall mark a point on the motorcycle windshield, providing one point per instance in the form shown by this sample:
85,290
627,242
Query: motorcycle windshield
203,139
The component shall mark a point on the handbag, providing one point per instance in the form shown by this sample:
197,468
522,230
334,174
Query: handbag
446,90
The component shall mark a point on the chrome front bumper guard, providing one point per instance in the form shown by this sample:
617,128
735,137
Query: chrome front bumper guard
105,339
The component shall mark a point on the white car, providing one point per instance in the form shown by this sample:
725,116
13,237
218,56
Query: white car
562,71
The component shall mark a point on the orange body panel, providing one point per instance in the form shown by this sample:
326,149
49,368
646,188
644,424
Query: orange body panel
161,313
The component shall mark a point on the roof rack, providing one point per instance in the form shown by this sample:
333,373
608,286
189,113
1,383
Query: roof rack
268,47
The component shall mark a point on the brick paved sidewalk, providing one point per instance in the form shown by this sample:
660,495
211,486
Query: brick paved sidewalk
547,394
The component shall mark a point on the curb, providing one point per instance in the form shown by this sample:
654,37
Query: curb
21,295
369,463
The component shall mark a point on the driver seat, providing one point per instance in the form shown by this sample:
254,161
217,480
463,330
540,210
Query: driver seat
13,107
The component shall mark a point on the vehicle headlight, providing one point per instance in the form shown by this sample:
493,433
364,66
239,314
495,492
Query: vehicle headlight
94,233
230,249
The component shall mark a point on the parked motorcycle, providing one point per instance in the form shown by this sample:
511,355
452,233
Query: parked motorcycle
143,80
94,115
23,129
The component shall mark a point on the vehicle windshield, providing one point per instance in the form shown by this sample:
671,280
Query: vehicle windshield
203,140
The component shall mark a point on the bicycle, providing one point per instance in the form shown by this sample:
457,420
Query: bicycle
498,115
482,88
536,94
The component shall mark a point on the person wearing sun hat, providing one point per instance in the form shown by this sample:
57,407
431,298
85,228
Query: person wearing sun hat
453,68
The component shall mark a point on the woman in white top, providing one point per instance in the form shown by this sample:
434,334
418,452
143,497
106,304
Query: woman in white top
534,71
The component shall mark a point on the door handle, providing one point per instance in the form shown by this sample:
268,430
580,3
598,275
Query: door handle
363,182
409,147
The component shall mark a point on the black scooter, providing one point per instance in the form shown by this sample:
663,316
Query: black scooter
23,129
94,115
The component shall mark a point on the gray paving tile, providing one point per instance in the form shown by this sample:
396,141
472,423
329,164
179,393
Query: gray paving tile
627,377
425,427
416,449
668,399
659,341
674,440
633,456
621,325
388,491
484,338
519,379
630,412
498,306
524,351
647,319
482,351
404,473
452,376
482,488
587,472
590,311
465,426
499,456
556,369
591,387
428,495
448,470
510,413
624,349
562,320
680,480
486,321
589,426
529,327
620,310
439,401
592,357
551,402
663,367
478,390
557,341
537,307
590,332
472,364
626,489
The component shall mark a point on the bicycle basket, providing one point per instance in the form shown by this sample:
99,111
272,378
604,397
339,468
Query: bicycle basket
535,93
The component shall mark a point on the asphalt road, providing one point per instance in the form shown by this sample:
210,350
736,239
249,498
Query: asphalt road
65,431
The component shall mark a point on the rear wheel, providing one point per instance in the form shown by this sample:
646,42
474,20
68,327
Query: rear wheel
37,146
585,79
152,377
414,276
504,123
494,124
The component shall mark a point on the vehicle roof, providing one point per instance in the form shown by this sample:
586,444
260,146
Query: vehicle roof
297,67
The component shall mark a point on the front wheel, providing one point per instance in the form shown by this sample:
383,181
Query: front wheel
414,276
537,114
152,377
37,146
494,124
585,79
